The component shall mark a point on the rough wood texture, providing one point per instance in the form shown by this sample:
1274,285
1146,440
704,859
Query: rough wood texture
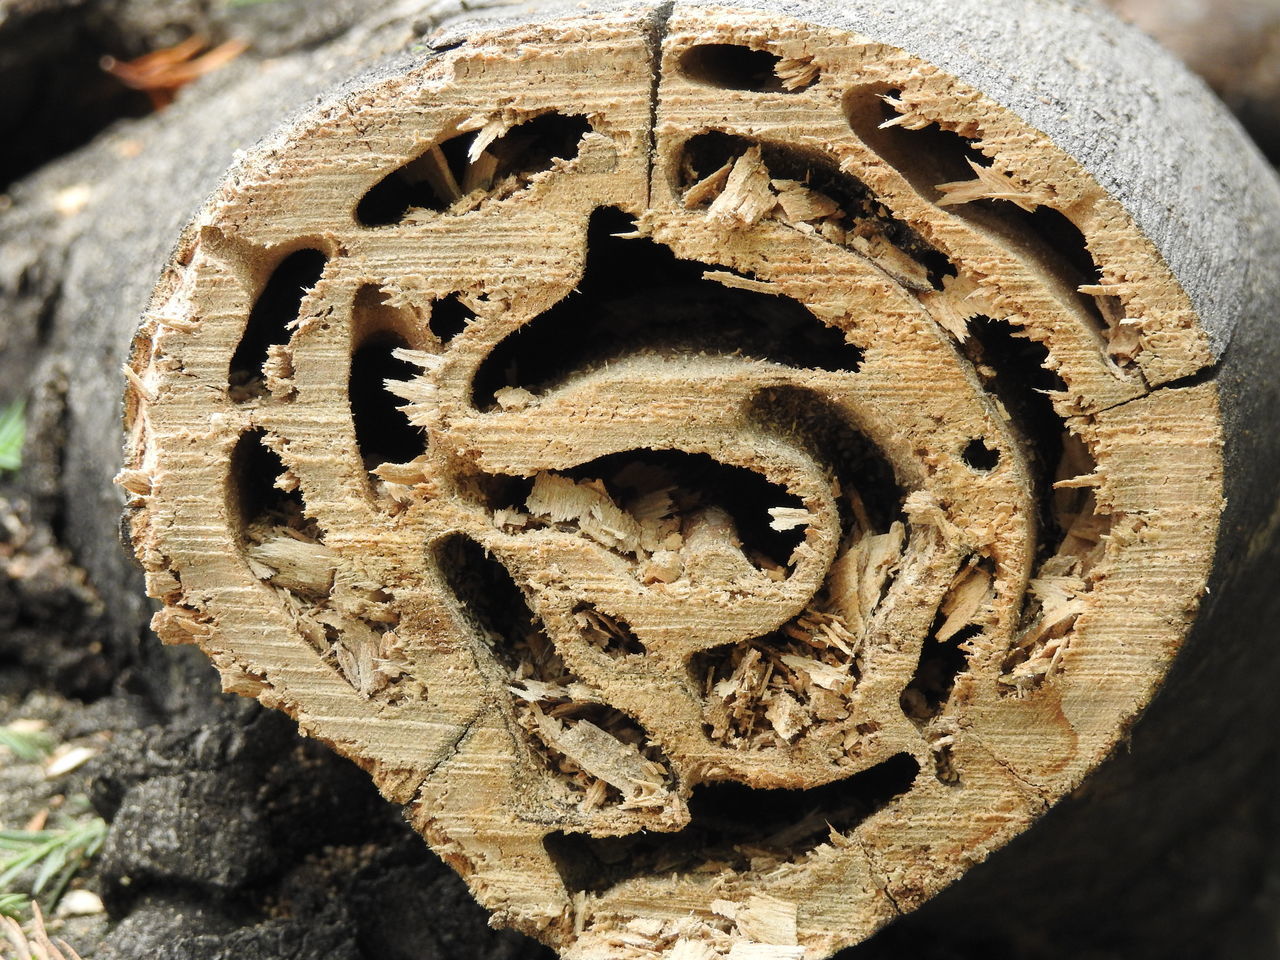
835,460
746,228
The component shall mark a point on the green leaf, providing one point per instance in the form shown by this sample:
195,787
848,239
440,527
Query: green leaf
53,865
13,429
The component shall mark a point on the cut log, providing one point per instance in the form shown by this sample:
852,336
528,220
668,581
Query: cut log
726,471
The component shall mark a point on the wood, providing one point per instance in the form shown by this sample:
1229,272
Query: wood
552,620
879,557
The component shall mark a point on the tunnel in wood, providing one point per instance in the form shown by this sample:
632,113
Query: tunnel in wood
724,474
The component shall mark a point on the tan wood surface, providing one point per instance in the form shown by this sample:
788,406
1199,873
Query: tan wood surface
726,476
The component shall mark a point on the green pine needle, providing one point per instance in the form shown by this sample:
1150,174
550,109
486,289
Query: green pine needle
14,905
51,857
13,429
28,746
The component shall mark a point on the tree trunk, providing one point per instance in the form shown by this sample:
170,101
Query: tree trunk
985,332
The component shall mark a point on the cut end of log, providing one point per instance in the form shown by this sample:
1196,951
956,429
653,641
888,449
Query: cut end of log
724,475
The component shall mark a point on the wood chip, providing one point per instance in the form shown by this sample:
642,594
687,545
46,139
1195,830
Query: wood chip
962,604
514,398
588,505
796,73
787,716
741,283
295,565
602,756
769,920
789,518
992,184
747,197
707,188
800,203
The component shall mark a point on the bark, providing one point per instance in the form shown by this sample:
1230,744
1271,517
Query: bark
1232,45
1167,844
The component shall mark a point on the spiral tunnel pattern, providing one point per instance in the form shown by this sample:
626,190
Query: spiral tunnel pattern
702,483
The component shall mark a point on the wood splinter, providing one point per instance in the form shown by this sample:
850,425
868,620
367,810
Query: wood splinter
723,484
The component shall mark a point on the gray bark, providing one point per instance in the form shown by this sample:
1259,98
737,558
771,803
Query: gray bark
1170,849
1232,44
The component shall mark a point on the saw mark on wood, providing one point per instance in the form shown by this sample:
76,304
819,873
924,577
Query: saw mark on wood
732,457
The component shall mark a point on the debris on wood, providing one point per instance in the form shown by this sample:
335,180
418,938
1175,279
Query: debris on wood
762,495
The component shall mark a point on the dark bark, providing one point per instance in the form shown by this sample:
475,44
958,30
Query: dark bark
1170,849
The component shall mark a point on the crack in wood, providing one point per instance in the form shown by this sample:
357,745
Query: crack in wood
702,446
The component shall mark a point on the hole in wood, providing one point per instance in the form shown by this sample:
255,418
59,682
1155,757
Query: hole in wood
598,754
937,161
449,317
765,693
733,66
495,608
1052,241
744,181
672,495
610,635
977,455
383,433
735,827
1064,238
601,755
658,508
941,661
869,497
282,545
1014,368
636,297
927,156
277,306
1077,540
263,494
460,172
350,625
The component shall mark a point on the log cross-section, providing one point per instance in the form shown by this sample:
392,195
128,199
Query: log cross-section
725,475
